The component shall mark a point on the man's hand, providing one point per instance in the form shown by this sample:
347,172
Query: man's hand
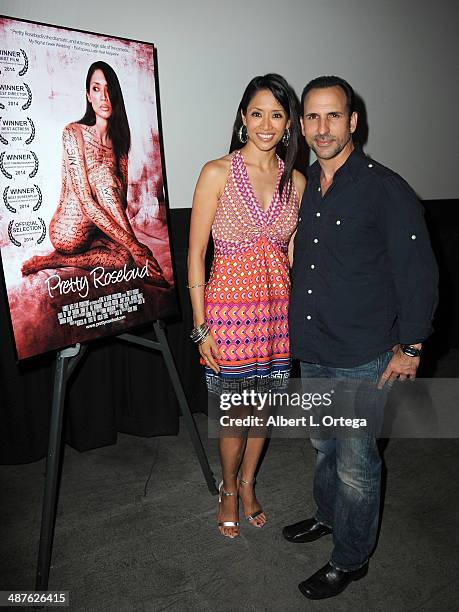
400,367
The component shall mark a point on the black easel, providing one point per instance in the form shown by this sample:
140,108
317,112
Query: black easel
66,361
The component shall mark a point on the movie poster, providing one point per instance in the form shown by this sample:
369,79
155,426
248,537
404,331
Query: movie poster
83,227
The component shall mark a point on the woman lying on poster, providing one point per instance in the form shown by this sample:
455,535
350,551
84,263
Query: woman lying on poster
90,226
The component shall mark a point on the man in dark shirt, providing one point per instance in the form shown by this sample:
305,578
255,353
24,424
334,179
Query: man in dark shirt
363,296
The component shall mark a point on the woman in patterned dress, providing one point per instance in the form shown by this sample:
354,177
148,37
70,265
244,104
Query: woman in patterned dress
249,201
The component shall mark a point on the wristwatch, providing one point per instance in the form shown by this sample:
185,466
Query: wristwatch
410,350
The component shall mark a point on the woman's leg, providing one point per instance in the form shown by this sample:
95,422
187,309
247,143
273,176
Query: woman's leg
240,453
231,452
109,256
70,239
251,457
108,213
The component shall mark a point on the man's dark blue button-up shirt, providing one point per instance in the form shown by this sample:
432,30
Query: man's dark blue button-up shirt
364,276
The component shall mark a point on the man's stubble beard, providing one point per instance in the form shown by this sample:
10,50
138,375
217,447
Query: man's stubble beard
334,152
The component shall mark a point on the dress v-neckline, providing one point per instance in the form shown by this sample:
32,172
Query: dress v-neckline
252,190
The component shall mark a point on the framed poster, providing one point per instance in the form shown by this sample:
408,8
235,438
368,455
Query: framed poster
84,238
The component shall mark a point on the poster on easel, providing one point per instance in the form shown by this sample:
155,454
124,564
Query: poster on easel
84,238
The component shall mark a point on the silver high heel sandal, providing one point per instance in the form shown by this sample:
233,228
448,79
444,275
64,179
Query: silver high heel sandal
254,515
221,492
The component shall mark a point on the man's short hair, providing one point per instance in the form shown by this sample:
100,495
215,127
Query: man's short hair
323,82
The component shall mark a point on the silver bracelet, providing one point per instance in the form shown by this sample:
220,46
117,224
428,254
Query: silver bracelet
197,285
200,333
201,338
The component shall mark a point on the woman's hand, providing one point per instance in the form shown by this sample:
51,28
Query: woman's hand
142,255
209,351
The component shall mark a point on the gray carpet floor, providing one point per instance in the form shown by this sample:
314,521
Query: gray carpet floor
136,530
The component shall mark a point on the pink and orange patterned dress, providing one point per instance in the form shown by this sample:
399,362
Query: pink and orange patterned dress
246,299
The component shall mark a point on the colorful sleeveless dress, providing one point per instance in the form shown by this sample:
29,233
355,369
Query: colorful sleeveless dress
246,299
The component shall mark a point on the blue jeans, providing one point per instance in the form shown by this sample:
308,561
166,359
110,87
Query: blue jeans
347,477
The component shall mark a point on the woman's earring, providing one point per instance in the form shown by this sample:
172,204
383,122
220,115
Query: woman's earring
286,137
242,134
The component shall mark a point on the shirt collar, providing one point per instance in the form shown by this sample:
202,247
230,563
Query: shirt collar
351,167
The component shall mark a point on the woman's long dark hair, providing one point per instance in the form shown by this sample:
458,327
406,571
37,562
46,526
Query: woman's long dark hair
118,125
287,98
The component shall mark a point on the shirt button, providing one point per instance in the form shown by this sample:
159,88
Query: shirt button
316,240
413,237
312,266
338,222
317,214
370,165
308,317
309,291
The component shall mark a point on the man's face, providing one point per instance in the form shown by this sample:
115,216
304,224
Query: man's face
326,124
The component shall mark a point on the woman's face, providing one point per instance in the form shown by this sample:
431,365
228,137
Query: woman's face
265,120
98,95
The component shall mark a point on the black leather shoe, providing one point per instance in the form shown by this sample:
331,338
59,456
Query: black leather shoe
305,531
329,582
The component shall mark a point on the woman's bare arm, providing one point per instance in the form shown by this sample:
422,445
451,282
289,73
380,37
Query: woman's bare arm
208,190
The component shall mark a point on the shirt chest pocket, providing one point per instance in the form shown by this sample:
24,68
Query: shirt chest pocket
348,230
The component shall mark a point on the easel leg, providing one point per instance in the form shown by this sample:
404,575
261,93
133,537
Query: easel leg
184,407
52,468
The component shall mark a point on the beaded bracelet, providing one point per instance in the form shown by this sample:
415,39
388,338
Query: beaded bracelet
197,285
